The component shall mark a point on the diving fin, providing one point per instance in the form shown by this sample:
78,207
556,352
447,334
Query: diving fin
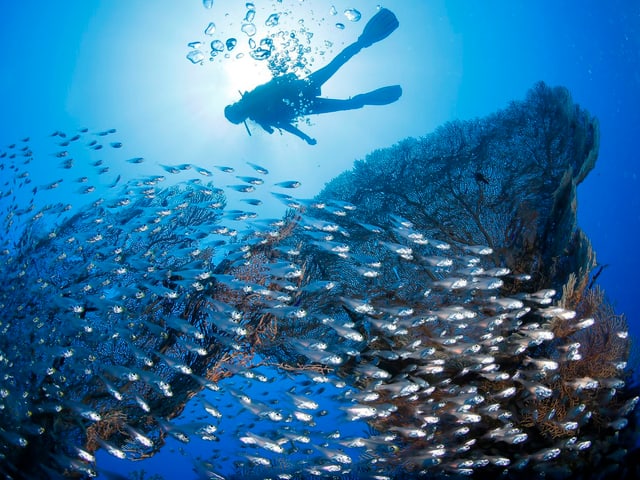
379,27
381,96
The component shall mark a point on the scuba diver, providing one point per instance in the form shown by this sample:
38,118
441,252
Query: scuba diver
281,101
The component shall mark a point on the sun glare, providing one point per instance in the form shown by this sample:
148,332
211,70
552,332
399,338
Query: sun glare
240,75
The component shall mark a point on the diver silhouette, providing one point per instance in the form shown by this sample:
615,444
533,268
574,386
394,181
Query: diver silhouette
280,102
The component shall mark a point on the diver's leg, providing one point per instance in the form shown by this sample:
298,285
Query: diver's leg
318,78
379,27
328,105
381,96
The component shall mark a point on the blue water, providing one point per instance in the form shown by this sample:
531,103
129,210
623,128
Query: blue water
123,64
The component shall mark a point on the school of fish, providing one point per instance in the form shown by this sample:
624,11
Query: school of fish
348,349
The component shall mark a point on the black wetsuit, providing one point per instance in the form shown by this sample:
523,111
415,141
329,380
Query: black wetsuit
280,102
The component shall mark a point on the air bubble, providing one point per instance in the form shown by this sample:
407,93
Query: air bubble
273,20
352,14
216,47
231,43
195,56
211,29
260,54
249,29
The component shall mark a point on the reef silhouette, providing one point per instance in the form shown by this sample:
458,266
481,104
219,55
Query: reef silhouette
422,284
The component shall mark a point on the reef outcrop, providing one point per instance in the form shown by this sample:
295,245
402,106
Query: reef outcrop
441,290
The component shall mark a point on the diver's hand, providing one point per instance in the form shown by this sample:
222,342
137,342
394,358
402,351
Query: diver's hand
287,127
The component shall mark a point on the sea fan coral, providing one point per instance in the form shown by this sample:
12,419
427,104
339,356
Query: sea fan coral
419,289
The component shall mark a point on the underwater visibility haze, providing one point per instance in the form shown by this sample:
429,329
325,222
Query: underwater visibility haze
301,239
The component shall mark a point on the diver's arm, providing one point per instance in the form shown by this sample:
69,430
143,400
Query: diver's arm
267,128
297,132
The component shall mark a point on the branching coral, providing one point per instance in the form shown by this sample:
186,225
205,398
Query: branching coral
419,284
111,423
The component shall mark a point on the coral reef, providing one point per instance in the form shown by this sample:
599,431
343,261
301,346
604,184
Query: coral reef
421,284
